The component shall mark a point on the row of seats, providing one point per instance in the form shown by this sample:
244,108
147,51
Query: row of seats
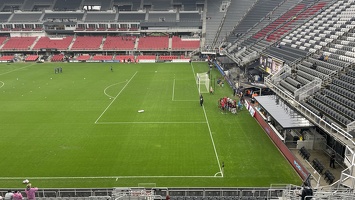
326,109
119,42
342,109
53,43
339,98
7,58
95,42
328,176
31,58
304,153
57,58
317,165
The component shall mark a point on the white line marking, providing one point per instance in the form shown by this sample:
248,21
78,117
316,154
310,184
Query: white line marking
18,69
173,90
103,177
150,123
2,84
214,146
115,97
111,86
185,100
218,173
209,129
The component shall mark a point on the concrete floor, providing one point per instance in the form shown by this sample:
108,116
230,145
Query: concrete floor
325,160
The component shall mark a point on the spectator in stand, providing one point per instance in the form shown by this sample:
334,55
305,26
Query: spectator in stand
9,195
31,192
17,195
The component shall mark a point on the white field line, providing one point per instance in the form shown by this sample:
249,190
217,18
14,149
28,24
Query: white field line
150,122
115,97
209,129
18,69
102,177
185,100
2,84
111,86
214,146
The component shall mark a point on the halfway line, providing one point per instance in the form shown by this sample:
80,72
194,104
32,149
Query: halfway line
115,97
17,69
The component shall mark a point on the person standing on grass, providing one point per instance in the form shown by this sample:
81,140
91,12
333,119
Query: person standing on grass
31,192
201,100
111,69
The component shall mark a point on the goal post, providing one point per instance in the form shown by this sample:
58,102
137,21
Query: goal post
203,82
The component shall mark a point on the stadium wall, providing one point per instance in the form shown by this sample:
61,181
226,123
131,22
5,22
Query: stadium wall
296,164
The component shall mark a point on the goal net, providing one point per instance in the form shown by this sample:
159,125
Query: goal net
203,82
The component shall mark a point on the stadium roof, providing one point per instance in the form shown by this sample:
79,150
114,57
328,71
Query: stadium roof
282,113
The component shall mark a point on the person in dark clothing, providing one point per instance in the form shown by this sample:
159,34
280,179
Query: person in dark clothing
306,193
332,161
201,100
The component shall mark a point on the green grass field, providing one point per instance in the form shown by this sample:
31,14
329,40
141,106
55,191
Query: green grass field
82,128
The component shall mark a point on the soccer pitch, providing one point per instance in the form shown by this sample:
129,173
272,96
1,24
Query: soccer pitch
82,128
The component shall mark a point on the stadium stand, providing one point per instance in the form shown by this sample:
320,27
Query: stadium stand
7,58
38,5
31,58
104,4
26,17
63,16
153,43
163,57
315,39
65,6
146,57
119,43
11,5
99,17
4,17
57,58
189,16
132,5
83,57
131,16
2,40
87,43
185,44
155,16
102,57
53,43
125,58
19,43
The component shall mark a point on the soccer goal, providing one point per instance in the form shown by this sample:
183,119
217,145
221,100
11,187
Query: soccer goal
203,82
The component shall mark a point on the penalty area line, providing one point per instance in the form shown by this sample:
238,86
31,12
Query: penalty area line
115,97
2,84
